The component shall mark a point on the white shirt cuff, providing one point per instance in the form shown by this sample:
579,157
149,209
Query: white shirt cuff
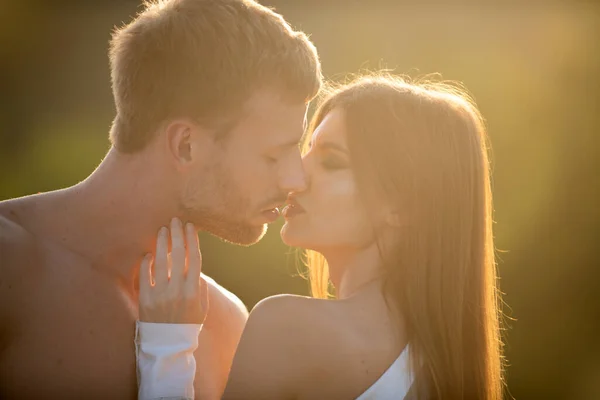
165,360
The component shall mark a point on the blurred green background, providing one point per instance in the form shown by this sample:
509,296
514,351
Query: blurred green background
534,69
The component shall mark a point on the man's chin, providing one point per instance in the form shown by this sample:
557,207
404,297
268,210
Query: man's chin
243,235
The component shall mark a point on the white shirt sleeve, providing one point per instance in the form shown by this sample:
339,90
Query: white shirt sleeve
165,360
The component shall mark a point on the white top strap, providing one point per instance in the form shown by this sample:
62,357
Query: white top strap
395,382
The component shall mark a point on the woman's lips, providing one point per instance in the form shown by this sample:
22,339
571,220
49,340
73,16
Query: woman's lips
292,209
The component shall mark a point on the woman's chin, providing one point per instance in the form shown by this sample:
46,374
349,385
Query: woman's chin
286,237
291,237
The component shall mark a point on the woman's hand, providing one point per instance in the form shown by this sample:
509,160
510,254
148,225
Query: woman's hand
178,295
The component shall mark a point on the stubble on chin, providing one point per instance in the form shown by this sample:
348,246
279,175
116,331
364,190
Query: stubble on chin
239,234
215,206
226,228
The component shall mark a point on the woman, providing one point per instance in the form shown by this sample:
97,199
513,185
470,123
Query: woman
397,217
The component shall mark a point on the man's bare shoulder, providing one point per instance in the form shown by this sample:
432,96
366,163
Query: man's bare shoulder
218,339
16,216
17,244
225,308
18,259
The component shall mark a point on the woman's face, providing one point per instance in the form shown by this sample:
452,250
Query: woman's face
329,213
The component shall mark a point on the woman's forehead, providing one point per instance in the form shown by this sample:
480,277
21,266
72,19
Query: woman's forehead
331,129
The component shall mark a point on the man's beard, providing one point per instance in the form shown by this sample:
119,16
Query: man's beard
233,231
215,205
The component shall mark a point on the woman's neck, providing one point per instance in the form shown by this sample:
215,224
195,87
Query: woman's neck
351,270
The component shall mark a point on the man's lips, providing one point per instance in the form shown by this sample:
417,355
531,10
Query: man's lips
271,215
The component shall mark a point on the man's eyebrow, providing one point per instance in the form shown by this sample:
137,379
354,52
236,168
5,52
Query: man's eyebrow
289,144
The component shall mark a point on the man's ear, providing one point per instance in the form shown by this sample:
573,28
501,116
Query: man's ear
185,141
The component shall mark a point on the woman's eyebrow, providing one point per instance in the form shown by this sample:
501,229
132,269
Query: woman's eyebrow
330,146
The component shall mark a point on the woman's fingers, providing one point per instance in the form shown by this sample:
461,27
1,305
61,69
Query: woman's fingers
161,259
192,281
145,279
180,298
203,297
177,255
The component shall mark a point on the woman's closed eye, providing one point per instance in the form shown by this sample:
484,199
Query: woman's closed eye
271,160
332,162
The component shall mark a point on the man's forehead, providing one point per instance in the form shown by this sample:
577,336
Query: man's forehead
278,114
270,100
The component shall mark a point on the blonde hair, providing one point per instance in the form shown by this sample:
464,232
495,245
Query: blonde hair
422,147
203,59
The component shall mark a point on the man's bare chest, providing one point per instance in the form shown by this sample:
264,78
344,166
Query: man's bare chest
74,338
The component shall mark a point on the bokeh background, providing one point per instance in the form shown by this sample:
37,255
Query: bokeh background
533,67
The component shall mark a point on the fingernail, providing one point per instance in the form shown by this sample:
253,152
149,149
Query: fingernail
190,227
163,231
175,222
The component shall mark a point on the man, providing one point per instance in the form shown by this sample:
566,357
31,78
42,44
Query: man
211,98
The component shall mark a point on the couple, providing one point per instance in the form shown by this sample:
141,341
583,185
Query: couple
391,196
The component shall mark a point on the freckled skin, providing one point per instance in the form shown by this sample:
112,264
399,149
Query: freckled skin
69,330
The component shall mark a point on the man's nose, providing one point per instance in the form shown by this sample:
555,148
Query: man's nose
294,179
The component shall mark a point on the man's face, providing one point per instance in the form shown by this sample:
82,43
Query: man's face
249,173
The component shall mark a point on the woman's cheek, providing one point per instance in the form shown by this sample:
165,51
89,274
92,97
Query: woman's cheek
342,194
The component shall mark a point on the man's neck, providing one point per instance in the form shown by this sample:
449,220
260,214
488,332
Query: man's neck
113,216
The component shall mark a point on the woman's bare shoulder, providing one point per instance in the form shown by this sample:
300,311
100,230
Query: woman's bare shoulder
279,347
289,311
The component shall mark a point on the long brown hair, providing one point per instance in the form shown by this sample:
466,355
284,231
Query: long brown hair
422,147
